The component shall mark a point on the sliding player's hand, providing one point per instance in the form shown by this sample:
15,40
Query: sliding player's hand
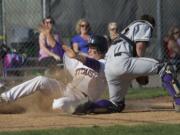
70,53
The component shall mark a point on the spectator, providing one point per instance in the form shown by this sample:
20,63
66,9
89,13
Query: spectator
112,32
1,73
80,41
10,59
50,44
172,43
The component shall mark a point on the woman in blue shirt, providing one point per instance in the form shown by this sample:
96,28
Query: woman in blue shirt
80,41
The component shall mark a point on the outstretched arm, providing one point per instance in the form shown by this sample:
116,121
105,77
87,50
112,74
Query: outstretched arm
72,54
89,62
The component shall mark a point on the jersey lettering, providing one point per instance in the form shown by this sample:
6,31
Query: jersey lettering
86,72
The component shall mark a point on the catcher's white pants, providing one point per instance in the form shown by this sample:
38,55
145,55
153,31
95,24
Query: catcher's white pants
46,85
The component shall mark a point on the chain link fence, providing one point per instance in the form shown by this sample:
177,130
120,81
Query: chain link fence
19,20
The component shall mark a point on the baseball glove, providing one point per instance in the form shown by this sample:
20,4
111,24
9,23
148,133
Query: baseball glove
143,80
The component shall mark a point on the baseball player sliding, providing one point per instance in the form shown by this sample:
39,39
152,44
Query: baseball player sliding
88,81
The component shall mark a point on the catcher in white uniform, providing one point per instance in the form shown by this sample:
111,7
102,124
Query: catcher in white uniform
122,66
88,82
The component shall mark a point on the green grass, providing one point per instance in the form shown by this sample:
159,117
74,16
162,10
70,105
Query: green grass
143,93
149,129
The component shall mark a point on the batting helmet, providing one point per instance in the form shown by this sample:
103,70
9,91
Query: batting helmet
99,42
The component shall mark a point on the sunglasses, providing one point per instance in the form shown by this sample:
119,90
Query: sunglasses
84,25
113,29
176,32
49,22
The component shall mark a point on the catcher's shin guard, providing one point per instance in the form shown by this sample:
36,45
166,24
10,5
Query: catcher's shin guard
171,84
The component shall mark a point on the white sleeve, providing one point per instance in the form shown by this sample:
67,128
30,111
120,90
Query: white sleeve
102,65
70,64
142,32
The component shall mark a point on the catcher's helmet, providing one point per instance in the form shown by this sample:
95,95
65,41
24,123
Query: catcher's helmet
99,42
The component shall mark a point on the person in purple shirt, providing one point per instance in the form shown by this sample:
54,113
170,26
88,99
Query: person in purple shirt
80,41
50,44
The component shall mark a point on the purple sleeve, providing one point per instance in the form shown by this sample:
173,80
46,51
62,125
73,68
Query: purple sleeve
92,63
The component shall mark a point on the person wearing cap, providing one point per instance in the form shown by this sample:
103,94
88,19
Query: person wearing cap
86,85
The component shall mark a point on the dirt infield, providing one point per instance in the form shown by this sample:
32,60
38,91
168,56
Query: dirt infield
25,114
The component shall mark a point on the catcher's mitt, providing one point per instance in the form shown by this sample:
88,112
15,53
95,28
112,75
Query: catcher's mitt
143,80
